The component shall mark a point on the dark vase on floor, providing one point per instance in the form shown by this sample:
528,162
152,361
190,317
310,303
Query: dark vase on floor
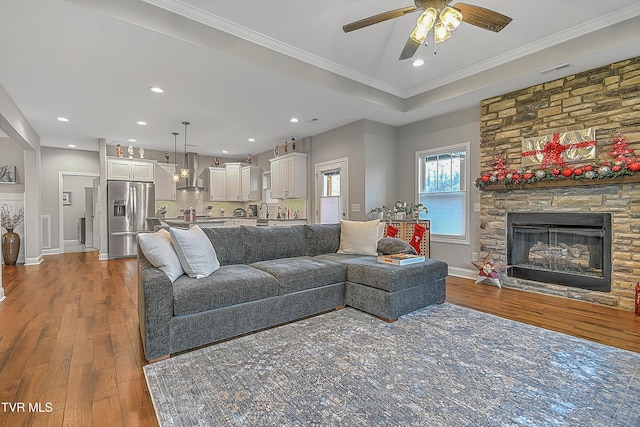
10,247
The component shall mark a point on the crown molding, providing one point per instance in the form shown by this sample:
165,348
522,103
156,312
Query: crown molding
181,8
188,11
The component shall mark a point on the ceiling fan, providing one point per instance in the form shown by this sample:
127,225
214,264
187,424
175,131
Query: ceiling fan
436,14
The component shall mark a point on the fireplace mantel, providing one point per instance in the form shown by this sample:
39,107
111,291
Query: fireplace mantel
563,182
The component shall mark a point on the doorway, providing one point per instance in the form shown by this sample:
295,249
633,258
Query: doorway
332,198
76,212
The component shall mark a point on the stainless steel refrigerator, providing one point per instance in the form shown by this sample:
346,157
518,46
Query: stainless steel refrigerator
129,204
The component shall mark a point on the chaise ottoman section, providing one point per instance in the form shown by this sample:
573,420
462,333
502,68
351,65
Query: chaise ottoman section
302,273
390,291
229,285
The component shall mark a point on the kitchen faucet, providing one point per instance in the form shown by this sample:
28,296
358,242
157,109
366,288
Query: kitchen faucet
263,203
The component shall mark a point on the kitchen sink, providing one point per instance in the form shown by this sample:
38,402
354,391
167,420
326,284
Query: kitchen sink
262,222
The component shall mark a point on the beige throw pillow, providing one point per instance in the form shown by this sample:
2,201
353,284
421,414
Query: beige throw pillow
359,238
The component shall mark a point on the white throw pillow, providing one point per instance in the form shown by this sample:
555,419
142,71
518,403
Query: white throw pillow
160,253
195,252
359,238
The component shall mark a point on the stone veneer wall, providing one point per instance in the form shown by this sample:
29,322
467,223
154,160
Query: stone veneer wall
607,99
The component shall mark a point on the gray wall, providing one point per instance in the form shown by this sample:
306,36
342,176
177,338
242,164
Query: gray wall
455,128
12,155
346,141
15,125
380,154
54,161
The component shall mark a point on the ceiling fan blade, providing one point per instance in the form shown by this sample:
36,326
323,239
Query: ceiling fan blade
410,48
481,17
378,18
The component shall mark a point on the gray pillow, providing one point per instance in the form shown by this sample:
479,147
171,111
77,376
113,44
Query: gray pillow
393,245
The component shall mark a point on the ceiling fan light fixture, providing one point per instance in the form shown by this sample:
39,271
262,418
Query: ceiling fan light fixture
424,24
451,18
441,33
427,19
419,35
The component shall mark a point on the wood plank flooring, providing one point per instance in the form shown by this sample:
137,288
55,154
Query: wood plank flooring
70,345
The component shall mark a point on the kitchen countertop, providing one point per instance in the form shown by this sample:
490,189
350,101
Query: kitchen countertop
183,223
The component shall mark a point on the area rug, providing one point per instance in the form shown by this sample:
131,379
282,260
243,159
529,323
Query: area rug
441,366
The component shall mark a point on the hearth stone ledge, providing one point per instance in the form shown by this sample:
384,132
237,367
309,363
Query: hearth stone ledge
560,291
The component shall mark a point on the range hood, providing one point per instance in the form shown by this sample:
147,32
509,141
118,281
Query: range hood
192,180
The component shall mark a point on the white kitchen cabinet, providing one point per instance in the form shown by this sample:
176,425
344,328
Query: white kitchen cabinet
217,184
251,183
289,176
122,169
234,181
165,187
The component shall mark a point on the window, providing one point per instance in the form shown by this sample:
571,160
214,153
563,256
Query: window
442,188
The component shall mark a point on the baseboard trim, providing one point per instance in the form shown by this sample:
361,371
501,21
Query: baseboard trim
463,272
103,257
34,261
53,251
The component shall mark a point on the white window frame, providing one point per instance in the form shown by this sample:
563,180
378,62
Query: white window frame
466,147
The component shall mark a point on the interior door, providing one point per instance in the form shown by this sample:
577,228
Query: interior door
331,191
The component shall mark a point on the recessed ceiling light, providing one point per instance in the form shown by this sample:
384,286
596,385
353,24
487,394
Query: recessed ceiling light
293,120
131,140
251,140
71,145
141,123
418,63
63,119
225,152
156,89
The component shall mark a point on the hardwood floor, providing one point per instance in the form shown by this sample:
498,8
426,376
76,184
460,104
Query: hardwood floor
70,344
69,341
599,323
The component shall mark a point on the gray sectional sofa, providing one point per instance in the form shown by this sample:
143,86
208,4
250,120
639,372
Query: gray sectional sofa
273,275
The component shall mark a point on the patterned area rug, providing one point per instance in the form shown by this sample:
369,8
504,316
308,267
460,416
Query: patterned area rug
441,366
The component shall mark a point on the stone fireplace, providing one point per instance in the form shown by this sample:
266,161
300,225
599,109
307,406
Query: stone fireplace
571,250
605,259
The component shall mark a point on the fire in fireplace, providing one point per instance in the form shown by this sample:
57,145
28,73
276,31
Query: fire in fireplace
571,249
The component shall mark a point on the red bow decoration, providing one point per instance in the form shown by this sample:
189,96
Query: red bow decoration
553,152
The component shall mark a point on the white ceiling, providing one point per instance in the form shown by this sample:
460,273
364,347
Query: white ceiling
241,69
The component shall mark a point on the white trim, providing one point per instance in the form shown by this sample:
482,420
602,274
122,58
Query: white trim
34,261
327,166
61,175
52,251
463,272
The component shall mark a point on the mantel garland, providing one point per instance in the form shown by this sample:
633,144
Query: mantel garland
623,164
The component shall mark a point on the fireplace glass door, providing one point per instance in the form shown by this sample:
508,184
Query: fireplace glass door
565,249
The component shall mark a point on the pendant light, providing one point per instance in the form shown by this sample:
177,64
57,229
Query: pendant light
184,172
176,175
